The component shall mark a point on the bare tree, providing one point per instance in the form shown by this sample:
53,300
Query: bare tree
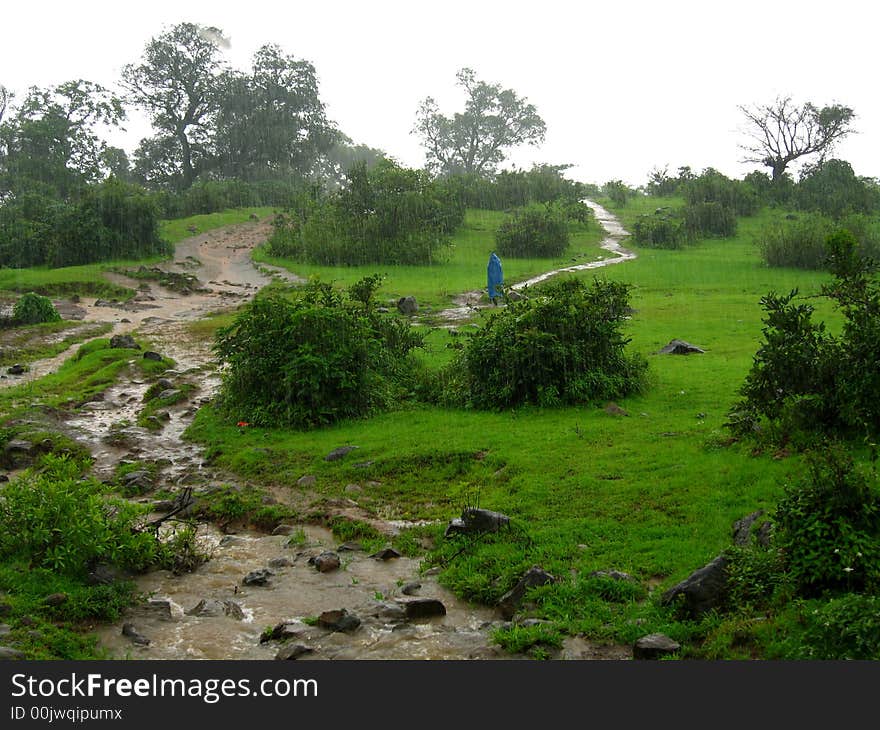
782,132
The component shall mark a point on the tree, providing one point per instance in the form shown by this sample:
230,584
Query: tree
51,144
782,132
272,123
474,141
178,84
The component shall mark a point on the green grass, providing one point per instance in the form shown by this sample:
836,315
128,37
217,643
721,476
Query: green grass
464,268
85,280
178,229
31,342
654,493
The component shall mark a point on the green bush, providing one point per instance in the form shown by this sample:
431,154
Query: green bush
53,519
710,218
539,232
713,187
845,627
313,359
828,527
833,189
663,229
34,309
563,345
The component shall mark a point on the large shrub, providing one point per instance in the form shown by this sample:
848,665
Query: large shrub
713,187
313,359
563,345
662,229
799,241
33,308
709,218
832,188
828,527
385,214
535,232
806,382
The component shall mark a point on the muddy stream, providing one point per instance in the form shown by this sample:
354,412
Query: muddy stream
210,613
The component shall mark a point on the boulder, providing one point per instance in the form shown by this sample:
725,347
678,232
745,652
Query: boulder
702,590
744,531
338,453
17,369
534,577
124,342
475,521
423,608
7,652
339,620
680,347
132,633
325,562
407,305
284,631
293,651
212,607
386,554
259,577
410,588
654,646
150,355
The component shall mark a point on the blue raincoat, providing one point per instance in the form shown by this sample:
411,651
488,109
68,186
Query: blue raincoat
495,275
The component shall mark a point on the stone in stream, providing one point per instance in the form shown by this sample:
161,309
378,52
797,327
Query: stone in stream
350,546
410,588
150,355
132,633
407,305
280,562
386,554
259,577
17,369
654,646
293,651
284,631
423,608
339,620
325,562
212,607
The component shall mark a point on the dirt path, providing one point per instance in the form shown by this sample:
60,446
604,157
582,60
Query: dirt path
466,305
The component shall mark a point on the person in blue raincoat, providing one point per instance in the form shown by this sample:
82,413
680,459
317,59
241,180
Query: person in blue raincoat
495,277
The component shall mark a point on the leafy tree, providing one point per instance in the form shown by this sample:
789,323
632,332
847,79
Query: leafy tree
782,132
51,144
178,83
618,191
272,123
475,140
832,188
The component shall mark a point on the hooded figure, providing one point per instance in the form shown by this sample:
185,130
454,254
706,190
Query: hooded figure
495,276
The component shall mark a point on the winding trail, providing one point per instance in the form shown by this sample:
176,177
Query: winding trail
365,586
469,303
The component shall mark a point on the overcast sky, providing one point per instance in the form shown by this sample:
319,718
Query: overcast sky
623,86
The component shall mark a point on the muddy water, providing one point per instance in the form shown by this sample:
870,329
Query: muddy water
469,303
366,587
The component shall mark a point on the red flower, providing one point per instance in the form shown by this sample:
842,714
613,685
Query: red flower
241,424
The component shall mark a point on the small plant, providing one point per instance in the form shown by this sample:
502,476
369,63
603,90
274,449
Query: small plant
34,309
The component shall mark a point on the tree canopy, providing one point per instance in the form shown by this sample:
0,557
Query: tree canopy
782,132
476,140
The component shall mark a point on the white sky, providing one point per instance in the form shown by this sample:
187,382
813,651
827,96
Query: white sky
624,86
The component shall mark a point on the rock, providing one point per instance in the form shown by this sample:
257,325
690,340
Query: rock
284,631
55,599
150,355
284,529
654,646
512,295
124,342
5,608
351,546
132,633
325,562
7,652
104,574
680,347
140,478
161,608
169,393
17,453
423,608
474,521
702,590
339,620
410,588
407,305
259,577
293,651
353,489
744,532
534,577
281,562
213,607
5,630
386,554
613,574
307,481
338,453
3,478
17,369
612,409
164,384
228,540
